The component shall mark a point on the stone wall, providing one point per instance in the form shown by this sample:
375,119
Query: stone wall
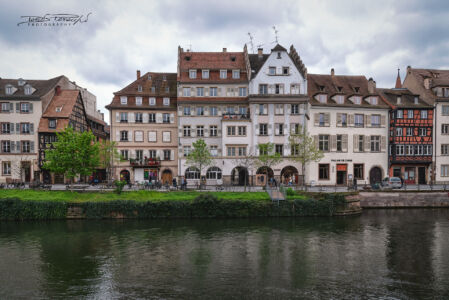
403,199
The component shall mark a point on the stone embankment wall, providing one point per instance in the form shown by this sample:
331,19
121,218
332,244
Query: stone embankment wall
403,199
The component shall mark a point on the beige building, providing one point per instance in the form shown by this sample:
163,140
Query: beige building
143,124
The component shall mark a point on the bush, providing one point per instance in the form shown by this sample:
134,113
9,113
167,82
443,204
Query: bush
290,192
119,185
15,209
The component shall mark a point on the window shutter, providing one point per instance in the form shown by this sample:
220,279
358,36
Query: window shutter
355,145
206,132
32,147
276,129
315,139
145,118
11,107
219,91
206,110
131,117
333,142
31,107
351,120
192,111
18,150
158,118
219,132
31,128
17,128
219,111
180,110
17,107
338,119
265,109
193,131
368,120
180,131
383,143
172,154
327,117
316,119
130,135
383,120
271,89
367,143
13,147
345,143
206,91
289,109
11,126
117,135
172,118
117,117
236,109
192,91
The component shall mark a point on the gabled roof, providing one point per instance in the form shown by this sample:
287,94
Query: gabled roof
278,48
42,87
407,98
426,79
66,100
157,81
256,62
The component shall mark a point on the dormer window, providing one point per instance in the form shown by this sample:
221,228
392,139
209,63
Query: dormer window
398,100
187,58
205,74
152,101
285,70
21,82
339,88
139,101
235,74
28,90
166,101
357,100
416,100
232,58
279,55
223,74
167,89
356,89
321,88
153,89
164,77
52,123
8,90
139,88
192,74
446,92
339,99
373,100
58,109
322,98
272,70
123,100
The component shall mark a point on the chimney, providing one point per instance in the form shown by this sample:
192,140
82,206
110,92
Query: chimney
138,74
260,52
371,85
57,90
224,49
332,72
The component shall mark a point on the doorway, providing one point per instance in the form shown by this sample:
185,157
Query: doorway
341,174
26,167
124,175
167,177
375,175
422,175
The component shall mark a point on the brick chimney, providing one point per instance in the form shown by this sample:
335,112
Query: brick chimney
260,52
371,85
224,49
57,90
138,74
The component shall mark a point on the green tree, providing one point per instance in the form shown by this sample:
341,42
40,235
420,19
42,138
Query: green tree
74,153
267,157
247,162
303,149
109,155
200,156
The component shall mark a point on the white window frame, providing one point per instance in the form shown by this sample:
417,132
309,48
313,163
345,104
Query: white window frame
203,74
223,74
192,74
166,101
152,101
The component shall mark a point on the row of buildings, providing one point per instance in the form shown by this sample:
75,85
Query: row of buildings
235,101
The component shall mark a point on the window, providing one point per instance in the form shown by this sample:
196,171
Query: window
279,109
445,149
213,173
399,131
230,110
192,173
262,149
294,127
294,148
375,120
279,129
262,109
186,92
375,143
123,135
28,90
323,171
166,101
285,70
123,100
263,129
399,114
409,131
138,136
357,100
25,128
358,120
373,100
187,150
444,128
445,110
152,118
444,170
200,91
279,148
123,117
223,74
6,168
6,128
214,150
242,91
263,89
167,89
200,111
139,155
243,110
279,55
277,89
205,74
26,146
152,101
235,74
339,143
231,130
6,146
400,150
272,70
200,131
344,120
166,118
213,111
52,123
295,109
9,90
242,151
213,130
186,110
322,98
360,143
340,99
166,136
152,153
410,114
422,131
24,107
231,151
242,130
152,136
323,142
423,114
139,117
139,88
186,130
192,74
167,154
409,150
427,149
138,101
321,119
124,154
213,91
5,107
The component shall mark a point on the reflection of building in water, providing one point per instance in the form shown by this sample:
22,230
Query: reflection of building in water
440,262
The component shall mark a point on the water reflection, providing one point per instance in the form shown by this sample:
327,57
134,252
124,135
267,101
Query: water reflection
384,253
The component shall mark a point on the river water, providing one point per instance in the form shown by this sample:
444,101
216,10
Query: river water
389,254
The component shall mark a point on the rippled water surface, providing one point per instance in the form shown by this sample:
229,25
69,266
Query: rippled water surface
389,254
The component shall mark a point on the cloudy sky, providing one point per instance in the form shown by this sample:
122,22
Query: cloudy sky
372,38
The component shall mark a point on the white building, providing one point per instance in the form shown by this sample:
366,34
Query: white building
348,121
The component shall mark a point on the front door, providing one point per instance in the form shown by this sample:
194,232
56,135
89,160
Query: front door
341,174
422,175
167,177
375,175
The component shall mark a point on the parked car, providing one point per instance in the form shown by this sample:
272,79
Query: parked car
392,182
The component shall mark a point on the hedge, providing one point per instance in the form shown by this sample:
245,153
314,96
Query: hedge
203,206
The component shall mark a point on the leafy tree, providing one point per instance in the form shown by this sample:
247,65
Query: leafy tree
304,149
248,161
200,156
74,153
109,155
267,157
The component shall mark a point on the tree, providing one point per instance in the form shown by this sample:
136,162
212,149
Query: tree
304,149
267,158
200,156
74,153
248,162
109,155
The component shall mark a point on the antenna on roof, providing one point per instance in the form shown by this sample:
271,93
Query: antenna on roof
190,47
251,41
275,33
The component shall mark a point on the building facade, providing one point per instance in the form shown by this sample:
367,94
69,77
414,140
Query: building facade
348,121
143,125
410,139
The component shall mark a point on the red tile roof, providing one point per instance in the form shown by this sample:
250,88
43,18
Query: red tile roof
65,100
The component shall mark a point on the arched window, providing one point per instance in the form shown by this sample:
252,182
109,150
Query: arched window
213,173
192,173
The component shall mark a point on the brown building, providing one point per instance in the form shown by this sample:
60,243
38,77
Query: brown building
143,124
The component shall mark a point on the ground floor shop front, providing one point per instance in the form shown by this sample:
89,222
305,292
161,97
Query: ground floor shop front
411,173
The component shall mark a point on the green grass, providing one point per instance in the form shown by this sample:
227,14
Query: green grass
141,196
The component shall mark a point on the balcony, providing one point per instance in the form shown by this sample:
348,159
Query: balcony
236,117
145,162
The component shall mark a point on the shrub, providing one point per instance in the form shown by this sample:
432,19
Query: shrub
290,192
15,209
119,185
